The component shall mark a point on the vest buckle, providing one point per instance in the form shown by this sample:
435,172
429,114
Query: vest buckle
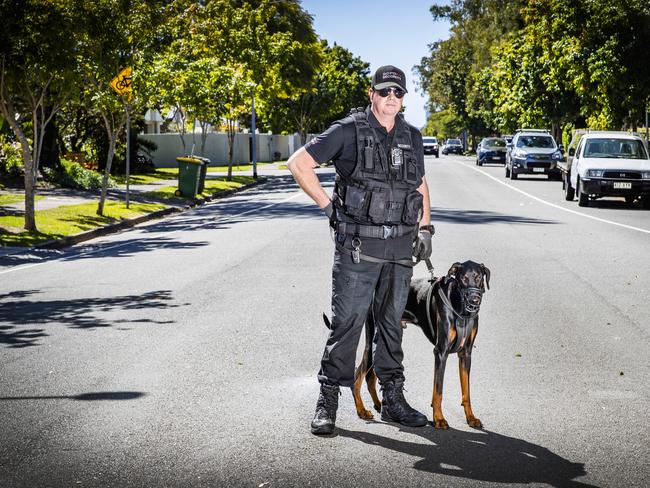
389,231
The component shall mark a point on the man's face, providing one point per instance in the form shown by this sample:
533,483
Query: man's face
386,106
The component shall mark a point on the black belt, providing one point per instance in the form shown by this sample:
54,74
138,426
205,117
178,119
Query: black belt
372,259
375,231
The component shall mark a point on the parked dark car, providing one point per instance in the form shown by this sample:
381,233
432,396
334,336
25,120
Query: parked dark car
430,145
491,150
453,146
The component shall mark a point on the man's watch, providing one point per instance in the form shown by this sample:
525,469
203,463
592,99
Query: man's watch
429,228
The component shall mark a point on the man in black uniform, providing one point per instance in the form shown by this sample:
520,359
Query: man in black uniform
379,207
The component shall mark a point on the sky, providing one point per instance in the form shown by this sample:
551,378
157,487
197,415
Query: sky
382,32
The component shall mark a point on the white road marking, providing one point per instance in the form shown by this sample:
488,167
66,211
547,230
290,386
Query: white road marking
116,246
575,212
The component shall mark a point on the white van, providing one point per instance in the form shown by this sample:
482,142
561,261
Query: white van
606,163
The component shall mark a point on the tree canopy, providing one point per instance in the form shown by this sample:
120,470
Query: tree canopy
546,63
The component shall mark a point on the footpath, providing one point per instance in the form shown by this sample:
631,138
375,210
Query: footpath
58,197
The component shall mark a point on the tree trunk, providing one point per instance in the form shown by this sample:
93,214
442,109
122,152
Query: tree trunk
231,143
107,172
30,187
8,112
49,153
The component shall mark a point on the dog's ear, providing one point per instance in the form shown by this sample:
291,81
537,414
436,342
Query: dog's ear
453,270
486,274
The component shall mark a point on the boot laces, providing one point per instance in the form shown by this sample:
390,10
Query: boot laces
328,398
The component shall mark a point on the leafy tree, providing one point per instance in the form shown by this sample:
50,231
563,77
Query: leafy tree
117,33
269,48
36,66
554,63
341,83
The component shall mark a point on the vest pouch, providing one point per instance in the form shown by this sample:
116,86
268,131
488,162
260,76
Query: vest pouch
394,212
377,208
355,202
411,171
412,208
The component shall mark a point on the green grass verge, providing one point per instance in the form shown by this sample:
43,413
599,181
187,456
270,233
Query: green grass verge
67,220
148,178
172,173
212,186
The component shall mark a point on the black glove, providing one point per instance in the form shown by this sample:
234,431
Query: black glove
329,210
422,245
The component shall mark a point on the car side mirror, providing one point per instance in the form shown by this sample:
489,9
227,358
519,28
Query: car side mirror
509,145
572,151
561,148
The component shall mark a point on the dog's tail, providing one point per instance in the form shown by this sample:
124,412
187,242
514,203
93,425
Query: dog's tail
328,324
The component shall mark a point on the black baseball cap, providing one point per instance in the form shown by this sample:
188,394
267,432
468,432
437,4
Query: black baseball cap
387,76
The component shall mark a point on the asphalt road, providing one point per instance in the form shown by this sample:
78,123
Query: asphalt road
184,352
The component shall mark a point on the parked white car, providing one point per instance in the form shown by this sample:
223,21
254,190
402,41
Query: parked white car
606,163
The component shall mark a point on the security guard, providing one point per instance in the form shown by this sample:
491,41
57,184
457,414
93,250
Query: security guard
380,214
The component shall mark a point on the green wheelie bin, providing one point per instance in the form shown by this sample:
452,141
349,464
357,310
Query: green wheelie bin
189,176
203,173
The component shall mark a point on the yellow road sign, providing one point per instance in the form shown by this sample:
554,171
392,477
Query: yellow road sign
122,83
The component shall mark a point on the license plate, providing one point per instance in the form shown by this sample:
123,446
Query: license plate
496,158
538,170
623,185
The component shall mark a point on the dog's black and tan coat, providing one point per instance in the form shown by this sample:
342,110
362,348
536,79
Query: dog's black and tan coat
447,311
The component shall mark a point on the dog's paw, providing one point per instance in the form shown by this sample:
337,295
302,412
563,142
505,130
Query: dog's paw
474,423
440,424
365,414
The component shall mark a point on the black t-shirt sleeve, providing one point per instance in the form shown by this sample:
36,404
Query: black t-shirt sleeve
328,145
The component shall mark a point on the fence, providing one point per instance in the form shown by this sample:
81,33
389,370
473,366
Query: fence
270,147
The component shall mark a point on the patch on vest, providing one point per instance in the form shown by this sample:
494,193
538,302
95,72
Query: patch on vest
404,146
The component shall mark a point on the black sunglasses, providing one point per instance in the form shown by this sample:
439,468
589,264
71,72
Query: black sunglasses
384,92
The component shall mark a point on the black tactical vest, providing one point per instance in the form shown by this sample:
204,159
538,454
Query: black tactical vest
382,189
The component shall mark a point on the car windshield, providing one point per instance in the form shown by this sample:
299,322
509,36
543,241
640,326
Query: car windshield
536,141
430,140
454,142
615,148
494,143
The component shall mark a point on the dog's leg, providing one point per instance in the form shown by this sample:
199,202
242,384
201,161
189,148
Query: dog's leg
371,381
464,365
364,371
359,376
439,421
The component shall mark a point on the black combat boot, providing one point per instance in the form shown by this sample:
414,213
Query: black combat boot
325,417
394,407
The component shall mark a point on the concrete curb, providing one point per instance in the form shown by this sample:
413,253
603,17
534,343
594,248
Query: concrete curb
128,223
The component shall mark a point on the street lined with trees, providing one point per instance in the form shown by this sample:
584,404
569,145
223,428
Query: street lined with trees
206,60
556,64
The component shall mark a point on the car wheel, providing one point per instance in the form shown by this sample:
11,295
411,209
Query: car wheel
583,198
437,154
507,171
569,191
513,175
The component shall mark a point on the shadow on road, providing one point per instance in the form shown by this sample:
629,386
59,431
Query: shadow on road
481,456
468,217
94,396
125,248
19,313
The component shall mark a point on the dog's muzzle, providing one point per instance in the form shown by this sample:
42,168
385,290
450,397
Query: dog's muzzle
472,297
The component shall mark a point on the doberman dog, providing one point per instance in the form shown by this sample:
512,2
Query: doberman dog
446,309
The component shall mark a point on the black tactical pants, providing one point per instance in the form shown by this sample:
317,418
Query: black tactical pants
355,288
